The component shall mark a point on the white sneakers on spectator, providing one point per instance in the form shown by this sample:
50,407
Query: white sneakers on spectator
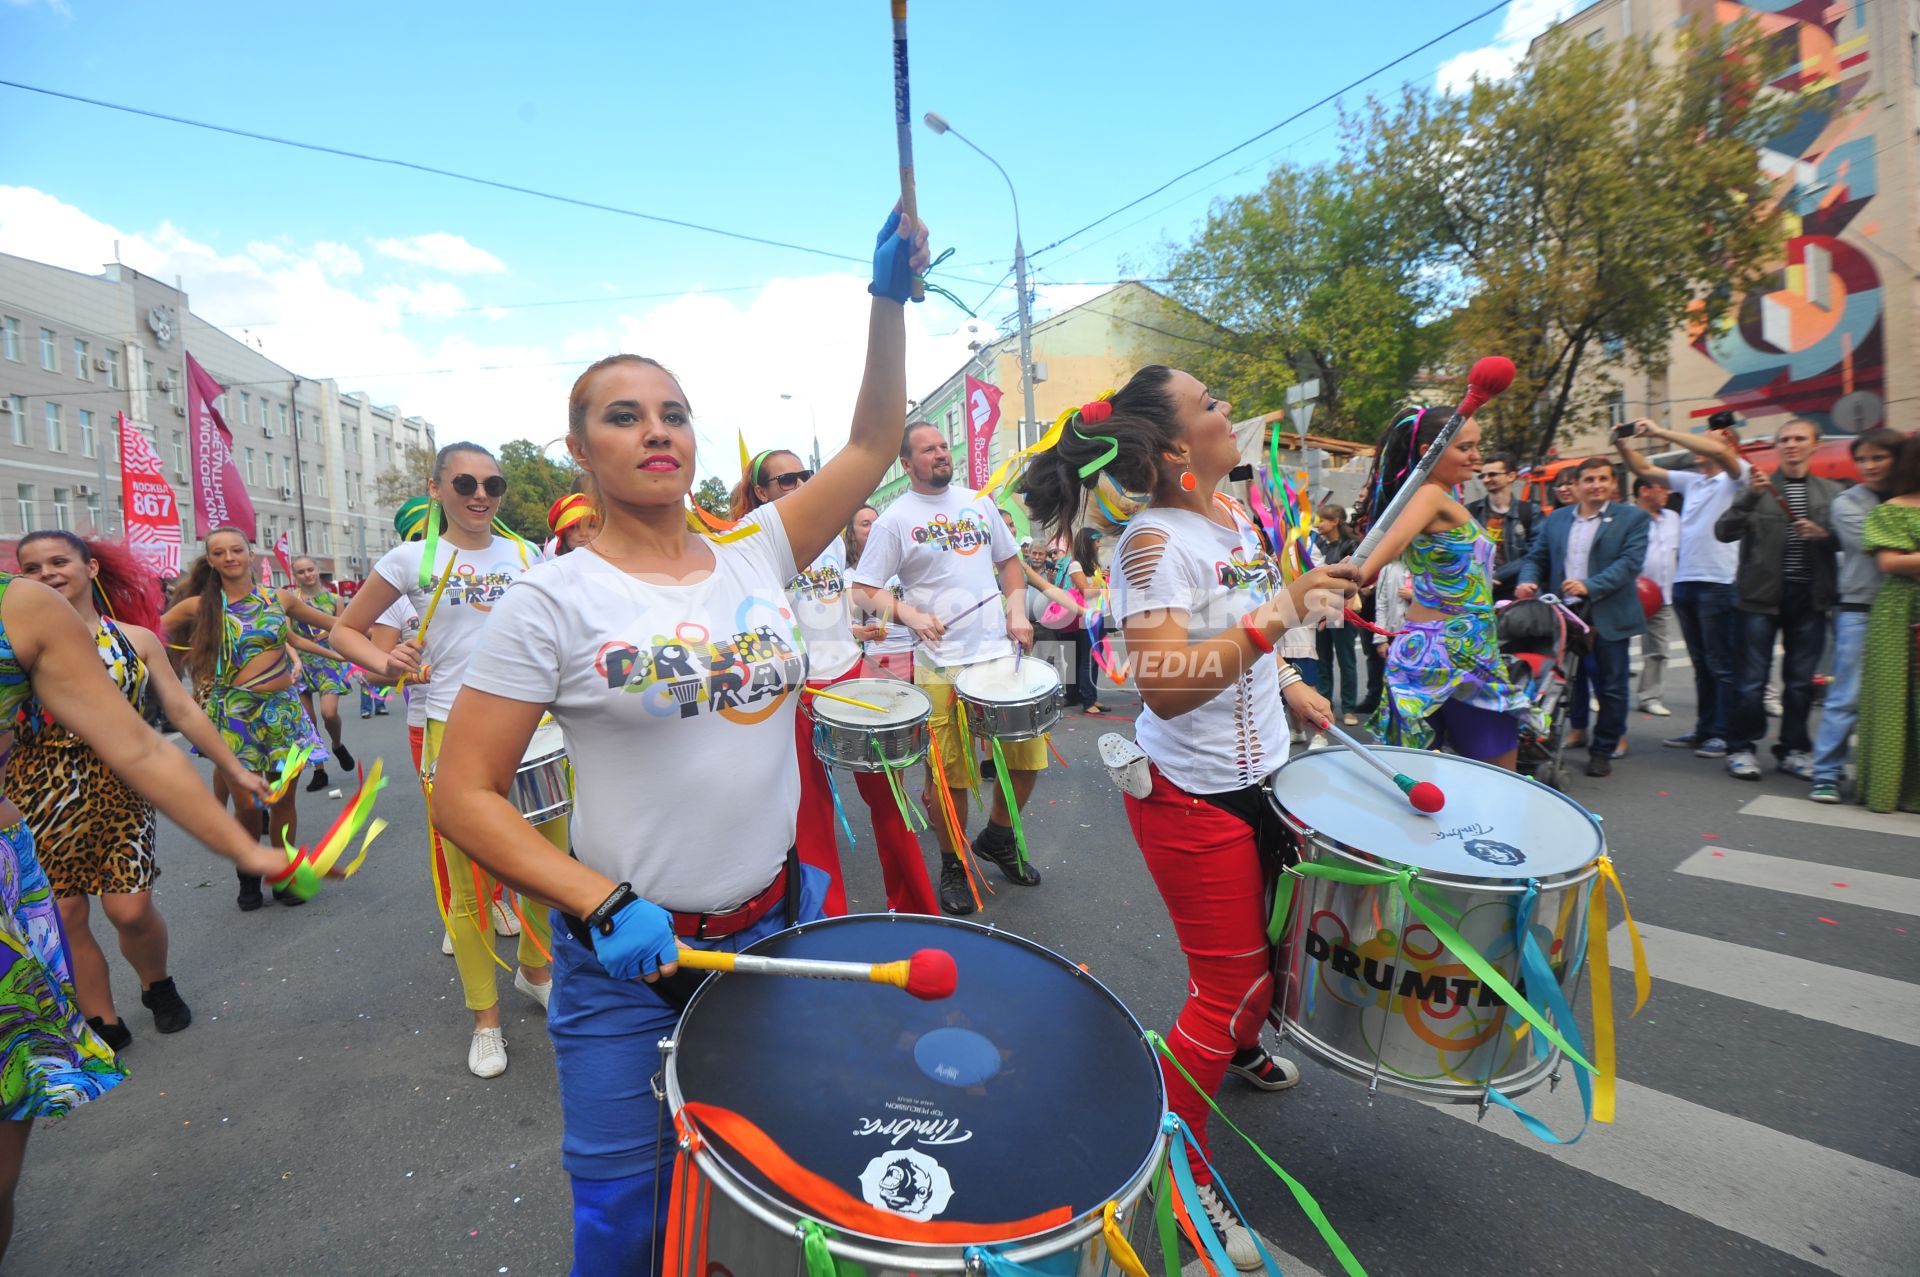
1743,765
1655,707
1798,762
487,1056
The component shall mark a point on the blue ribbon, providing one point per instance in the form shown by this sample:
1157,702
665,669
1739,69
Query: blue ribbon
819,734
1543,991
1190,1193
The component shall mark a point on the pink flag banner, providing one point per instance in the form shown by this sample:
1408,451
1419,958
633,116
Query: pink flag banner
152,516
983,414
220,496
283,551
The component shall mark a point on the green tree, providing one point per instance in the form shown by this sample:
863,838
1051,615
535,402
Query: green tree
534,483
713,496
1584,210
1313,279
408,478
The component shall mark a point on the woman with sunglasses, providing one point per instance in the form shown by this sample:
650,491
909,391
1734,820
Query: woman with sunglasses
822,610
454,590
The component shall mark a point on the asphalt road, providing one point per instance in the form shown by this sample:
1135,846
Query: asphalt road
318,1116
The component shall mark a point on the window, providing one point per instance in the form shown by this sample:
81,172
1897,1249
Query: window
286,472
56,432
112,357
49,351
63,507
24,503
283,416
86,434
179,452
95,514
176,387
82,368
10,337
1617,408
17,420
245,419
251,476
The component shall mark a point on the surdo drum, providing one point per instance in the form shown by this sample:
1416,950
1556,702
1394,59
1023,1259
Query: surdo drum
542,785
1362,984
1009,699
849,736
971,1112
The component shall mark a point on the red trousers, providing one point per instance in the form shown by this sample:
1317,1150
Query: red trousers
902,868
1207,868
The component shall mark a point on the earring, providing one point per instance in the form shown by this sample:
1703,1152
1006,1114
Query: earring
1187,482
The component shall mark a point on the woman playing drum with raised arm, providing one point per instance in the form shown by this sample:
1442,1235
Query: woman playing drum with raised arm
672,665
1199,598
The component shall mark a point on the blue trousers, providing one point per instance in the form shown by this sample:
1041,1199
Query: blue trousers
1842,707
1710,624
606,1045
1803,638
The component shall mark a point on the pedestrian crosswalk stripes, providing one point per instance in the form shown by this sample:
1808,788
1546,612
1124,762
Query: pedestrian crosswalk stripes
1833,816
1834,995
1832,883
1786,1193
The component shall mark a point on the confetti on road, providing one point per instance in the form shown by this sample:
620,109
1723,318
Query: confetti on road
1830,922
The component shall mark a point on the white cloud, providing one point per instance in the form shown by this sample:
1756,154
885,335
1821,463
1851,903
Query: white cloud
58,6
338,259
1521,23
441,251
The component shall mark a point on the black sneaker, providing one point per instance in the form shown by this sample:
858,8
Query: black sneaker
250,897
341,756
1599,764
117,1035
1268,1072
286,897
956,897
996,844
170,1014
319,782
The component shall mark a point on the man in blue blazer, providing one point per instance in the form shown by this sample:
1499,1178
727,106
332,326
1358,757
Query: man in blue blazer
1593,551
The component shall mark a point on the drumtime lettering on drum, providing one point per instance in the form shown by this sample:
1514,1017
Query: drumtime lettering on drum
1432,988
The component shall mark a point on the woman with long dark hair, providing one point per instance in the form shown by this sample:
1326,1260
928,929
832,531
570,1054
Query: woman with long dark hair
93,834
1201,601
323,676
1445,681
241,654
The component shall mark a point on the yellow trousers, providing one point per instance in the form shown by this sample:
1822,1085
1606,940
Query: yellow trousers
471,888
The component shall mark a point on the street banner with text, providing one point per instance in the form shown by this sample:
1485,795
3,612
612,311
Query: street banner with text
152,516
983,414
220,495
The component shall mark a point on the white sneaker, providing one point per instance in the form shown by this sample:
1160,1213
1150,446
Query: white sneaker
504,921
1655,708
1235,1238
1798,762
1743,765
1319,741
1771,699
446,943
538,992
487,1056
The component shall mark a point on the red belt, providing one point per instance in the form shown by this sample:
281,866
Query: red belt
713,926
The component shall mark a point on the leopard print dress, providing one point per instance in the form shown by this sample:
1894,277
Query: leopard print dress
93,834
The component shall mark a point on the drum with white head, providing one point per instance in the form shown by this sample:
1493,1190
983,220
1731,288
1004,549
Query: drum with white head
1010,698
888,737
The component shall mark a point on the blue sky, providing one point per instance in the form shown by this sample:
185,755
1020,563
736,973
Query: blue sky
770,119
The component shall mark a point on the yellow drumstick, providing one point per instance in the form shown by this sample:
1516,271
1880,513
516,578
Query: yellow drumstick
844,700
421,636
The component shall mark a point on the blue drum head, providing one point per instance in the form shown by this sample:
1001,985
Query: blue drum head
1030,1089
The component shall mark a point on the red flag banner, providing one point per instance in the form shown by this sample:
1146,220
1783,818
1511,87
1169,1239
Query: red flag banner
220,496
283,551
983,414
152,516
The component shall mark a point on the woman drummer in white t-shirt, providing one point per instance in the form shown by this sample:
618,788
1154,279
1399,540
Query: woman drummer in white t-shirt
454,580
1200,600
670,661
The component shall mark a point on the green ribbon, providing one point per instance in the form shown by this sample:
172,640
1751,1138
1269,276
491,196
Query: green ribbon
943,292
813,1244
1408,889
1099,463
1308,1206
1163,1215
1282,906
1013,806
910,812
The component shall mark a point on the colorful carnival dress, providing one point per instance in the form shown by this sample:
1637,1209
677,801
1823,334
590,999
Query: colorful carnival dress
1888,756
50,1061
261,728
323,675
1456,657
93,834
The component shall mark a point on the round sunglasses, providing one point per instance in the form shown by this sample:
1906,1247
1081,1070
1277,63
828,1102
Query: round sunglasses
466,485
789,481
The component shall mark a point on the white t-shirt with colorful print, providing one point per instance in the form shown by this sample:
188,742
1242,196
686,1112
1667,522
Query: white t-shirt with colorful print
945,549
677,703
825,615
480,580
1215,575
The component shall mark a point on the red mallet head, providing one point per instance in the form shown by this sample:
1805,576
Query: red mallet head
1426,796
931,975
1487,378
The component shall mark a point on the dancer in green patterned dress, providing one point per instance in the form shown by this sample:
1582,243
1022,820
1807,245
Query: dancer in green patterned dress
324,679
1888,757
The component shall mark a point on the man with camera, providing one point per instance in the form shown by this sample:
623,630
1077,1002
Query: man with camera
1703,594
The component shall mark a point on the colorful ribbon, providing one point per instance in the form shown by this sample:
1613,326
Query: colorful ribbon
1544,992
1013,804
1602,977
306,869
291,765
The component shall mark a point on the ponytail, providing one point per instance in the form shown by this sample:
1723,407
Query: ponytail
1108,460
1401,447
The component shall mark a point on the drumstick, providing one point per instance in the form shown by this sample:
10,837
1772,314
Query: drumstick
844,700
1423,794
420,635
903,133
1487,378
928,975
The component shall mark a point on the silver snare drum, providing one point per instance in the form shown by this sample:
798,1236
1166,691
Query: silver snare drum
1010,700
1364,986
542,785
847,736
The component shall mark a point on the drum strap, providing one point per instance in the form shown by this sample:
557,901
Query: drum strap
1277,846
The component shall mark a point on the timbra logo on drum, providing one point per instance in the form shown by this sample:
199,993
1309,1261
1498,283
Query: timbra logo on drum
906,1182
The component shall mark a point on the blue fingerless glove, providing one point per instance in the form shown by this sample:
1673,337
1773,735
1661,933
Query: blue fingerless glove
892,263
642,939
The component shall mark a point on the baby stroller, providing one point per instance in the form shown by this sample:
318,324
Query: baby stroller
1541,657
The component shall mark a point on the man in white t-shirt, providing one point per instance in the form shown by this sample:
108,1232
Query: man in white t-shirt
1663,559
964,598
1703,595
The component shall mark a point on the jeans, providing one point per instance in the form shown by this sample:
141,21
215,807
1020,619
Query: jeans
1803,637
1376,677
1842,708
1709,623
1083,685
1337,646
1611,664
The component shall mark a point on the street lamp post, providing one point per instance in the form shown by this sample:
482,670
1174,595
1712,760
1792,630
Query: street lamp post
939,125
813,419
